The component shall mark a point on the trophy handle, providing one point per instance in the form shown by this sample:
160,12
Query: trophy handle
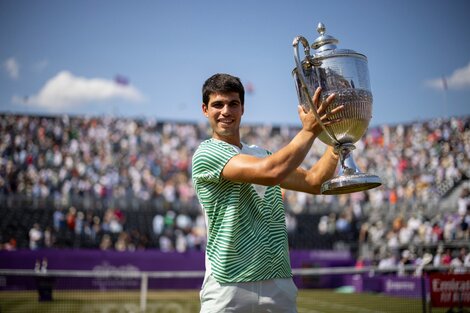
301,76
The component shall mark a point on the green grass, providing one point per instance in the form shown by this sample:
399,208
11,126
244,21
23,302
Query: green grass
187,301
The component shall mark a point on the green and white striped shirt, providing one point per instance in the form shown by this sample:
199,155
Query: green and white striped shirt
247,237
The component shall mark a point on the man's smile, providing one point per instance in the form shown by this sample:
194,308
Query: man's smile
225,121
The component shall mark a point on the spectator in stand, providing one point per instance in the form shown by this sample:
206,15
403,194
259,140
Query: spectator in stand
464,202
388,260
123,242
49,237
323,225
448,232
393,243
58,220
463,229
343,223
35,237
437,260
71,218
158,224
446,257
466,261
457,263
406,259
166,242
437,233
405,234
106,242
79,223
10,245
112,221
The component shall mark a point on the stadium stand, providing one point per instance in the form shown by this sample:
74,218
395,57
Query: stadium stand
125,184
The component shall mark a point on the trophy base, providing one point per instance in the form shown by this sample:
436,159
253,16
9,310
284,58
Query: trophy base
350,183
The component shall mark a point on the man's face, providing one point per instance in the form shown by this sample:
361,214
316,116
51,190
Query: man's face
224,112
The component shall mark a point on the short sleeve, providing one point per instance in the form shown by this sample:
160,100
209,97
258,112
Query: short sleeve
209,160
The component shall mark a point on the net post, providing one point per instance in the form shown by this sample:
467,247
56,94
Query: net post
423,291
143,292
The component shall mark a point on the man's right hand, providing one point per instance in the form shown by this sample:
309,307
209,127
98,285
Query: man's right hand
308,119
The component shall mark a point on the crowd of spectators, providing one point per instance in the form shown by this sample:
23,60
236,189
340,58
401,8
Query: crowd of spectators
61,157
380,240
77,160
113,230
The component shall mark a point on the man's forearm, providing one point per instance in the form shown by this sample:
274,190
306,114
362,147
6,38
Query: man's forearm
286,160
324,169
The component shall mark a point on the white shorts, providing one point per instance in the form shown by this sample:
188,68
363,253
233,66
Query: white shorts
274,295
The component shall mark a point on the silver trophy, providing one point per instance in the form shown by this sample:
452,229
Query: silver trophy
344,73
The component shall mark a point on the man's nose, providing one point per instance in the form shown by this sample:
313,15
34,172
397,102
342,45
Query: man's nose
226,109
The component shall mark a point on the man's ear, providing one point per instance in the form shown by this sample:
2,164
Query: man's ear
204,110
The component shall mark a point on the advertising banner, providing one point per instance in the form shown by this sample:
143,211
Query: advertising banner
403,286
450,290
137,261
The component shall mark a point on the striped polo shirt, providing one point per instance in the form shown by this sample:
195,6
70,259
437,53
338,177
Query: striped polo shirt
246,231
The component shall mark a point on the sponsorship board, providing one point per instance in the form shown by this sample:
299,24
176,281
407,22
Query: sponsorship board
403,286
450,290
139,261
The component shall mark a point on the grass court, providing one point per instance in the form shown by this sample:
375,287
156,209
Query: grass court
187,301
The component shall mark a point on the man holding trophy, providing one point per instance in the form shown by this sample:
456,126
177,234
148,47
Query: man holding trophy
239,188
239,185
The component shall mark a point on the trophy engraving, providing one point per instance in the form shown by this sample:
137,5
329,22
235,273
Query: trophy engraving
345,73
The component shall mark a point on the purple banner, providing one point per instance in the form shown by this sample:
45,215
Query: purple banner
391,285
320,259
148,260
96,260
403,286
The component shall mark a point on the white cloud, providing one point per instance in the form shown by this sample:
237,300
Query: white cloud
12,67
460,79
66,90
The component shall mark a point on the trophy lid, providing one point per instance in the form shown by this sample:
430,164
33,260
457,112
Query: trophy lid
324,42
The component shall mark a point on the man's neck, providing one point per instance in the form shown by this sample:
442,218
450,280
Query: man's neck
230,140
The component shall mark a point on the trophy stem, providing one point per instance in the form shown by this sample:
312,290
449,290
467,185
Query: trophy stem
350,178
348,166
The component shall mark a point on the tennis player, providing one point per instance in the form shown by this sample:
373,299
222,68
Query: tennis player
239,188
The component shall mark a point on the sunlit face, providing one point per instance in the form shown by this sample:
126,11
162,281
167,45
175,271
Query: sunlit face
224,112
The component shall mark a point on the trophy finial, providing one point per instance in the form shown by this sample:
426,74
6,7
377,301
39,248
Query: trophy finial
321,28
324,42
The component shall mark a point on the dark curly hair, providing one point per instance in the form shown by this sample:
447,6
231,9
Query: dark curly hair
222,83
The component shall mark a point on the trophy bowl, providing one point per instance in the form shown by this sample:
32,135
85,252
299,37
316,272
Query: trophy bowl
344,73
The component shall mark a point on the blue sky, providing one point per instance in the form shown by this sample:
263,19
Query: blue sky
63,56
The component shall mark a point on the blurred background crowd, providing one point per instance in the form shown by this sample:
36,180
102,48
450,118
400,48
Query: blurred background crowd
125,184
